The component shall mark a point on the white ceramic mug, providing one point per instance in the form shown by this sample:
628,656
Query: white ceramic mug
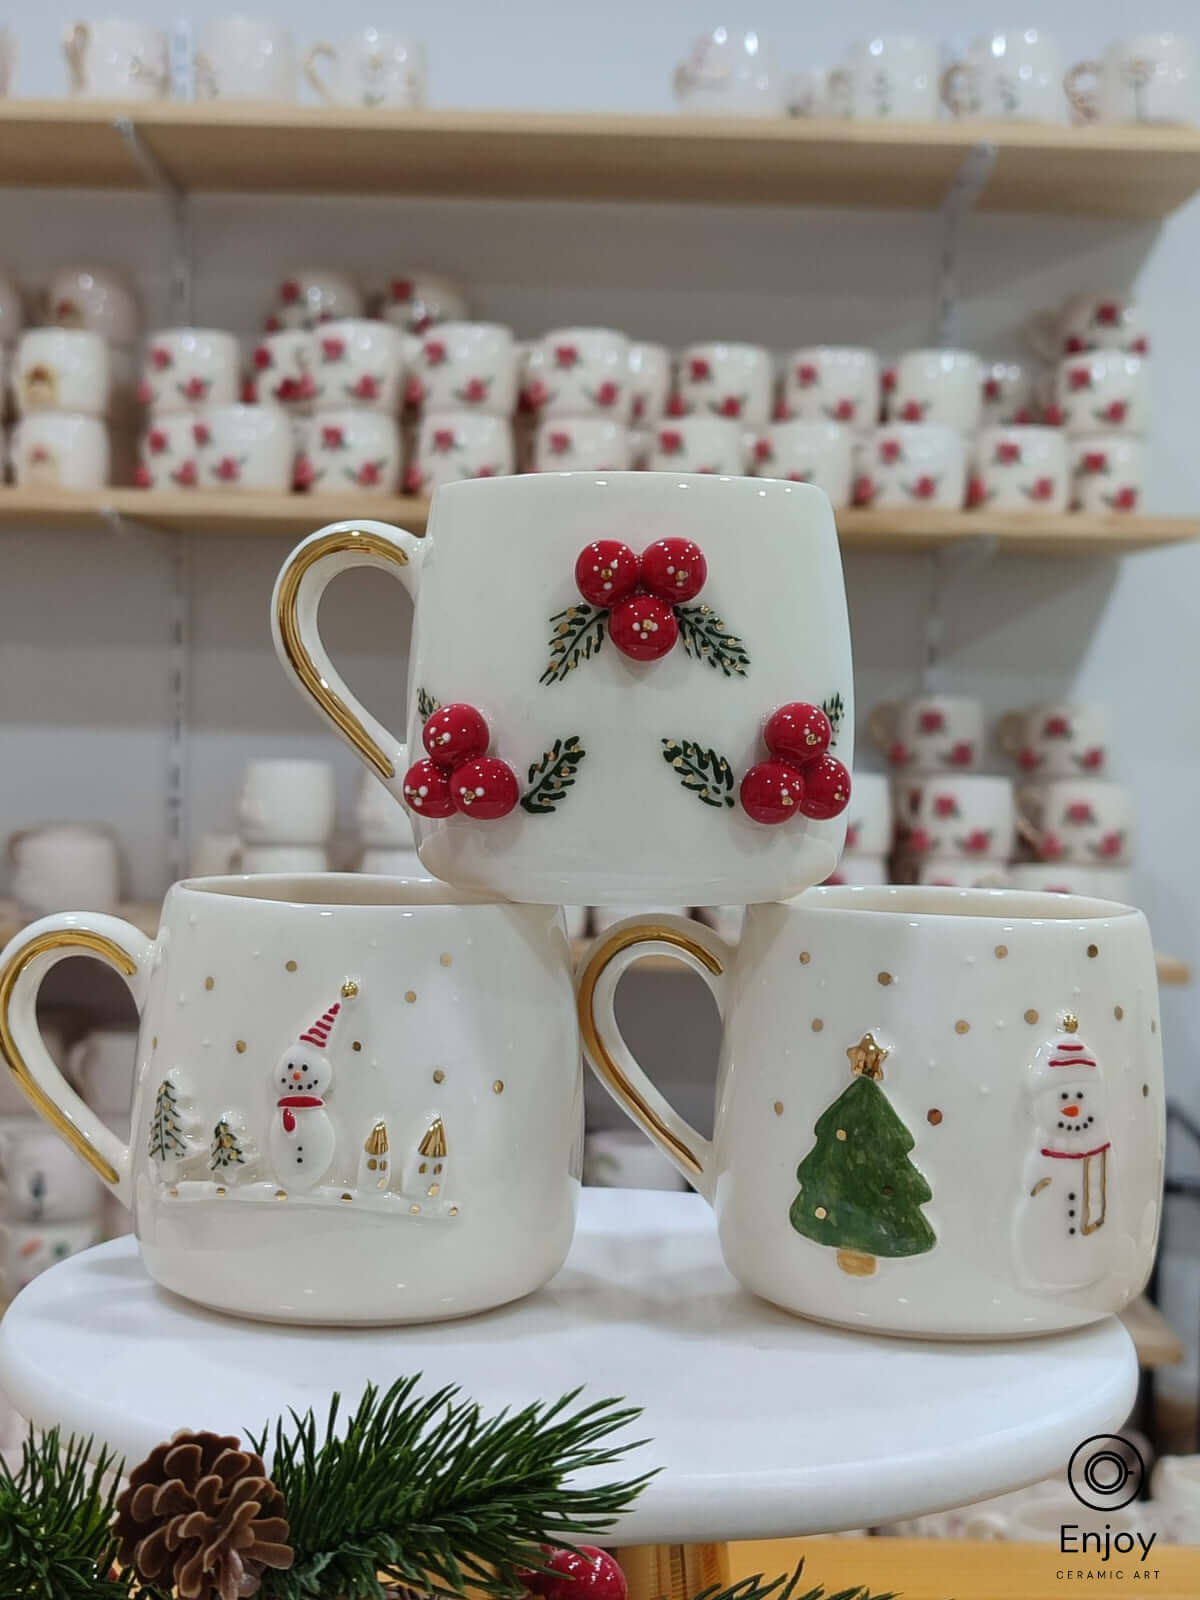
1148,78
393,862
726,380
970,815
98,299
832,383
1068,877
1008,394
282,368
60,450
287,801
459,444
869,817
245,58
931,733
943,386
286,858
383,821
169,457
1020,469
243,448
582,444
634,767
29,1248
183,368
579,372
347,450
910,466
40,1179
892,77
103,1066
466,366
1013,77
808,452
955,872
457,1169
729,73
416,301
1109,320
309,296
1108,473
62,369
649,380
110,59
371,67
1058,739
65,863
698,444
1084,820
852,1176
356,362
1103,391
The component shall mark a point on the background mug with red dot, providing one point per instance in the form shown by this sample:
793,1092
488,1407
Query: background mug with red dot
465,366
1019,469
649,379
943,386
953,872
281,369
1108,473
582,444
670,649
1070,877
1059,739
936,733
415,301
1105,391
911,466
580,372
832,383
860,869
309,296
808,452
857,1172
969,817
869,817
733,381
459,444
169,457
1008,393
356,362
60,450
1108,321
350,451
1084,820
699,444
183,368
243,448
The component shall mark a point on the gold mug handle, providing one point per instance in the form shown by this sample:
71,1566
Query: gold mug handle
76,38
881,724
320,52
1085,103
23,964
1030,818
302,580
1008,732
610,1057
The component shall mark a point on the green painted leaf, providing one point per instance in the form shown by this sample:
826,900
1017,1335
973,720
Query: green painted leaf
426,704
578,635
553,775
835,709
705,638
706,774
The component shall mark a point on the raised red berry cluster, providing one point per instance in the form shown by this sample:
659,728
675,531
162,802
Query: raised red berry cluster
458,774
801,779
585,1573
640,592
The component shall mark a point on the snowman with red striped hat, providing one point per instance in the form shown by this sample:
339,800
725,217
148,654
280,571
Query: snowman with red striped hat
1063,1232
302,1141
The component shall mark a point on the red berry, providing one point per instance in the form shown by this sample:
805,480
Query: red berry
427,790
588,1574
606,572
772,792
798,732
826,789
674,569
455,733
484,789
643,627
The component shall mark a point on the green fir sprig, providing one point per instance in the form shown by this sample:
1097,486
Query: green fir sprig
430,1493
783,1588
706,638
578,635
553,775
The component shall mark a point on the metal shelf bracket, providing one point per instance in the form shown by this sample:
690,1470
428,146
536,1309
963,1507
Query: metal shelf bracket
179,225
960,200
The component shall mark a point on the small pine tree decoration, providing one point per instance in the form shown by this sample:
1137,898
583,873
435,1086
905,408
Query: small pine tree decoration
230,1148
859,1193
168,1142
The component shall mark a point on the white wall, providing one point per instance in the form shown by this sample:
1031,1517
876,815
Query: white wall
82,683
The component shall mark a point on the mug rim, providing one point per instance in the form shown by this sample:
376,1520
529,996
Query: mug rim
647,482
938,902
341,891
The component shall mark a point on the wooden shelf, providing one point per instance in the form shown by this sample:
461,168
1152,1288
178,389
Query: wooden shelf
295,515
1102,171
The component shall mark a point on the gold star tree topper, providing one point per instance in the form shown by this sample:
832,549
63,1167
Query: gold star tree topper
867,1058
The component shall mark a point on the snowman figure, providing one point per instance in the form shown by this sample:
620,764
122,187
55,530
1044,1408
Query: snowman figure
1064,1236
302,1141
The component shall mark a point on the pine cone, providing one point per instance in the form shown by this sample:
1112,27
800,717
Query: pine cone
201,1515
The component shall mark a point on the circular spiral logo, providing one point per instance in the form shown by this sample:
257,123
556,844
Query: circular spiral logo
1106,1472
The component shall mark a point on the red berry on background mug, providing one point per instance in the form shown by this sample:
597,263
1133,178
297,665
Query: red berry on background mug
931,733
625,663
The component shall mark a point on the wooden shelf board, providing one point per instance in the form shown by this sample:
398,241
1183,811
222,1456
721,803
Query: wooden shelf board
1104,171
294,515
1157,1343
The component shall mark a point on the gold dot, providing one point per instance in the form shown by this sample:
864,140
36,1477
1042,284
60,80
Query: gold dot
434,1188
805,958
1145,1091
349,989
779,1108
347,1197
415,1211
498,1086
173,1192
933,1115
453,1211
240,1047
208,982
357,1045
1031,1015
1118,1012
821,1213
372,1164
410,995
817,1024
438,1075
884,978
281,1194
1000,952
220,1190
445,958
289,966
841,1134
1093,950
962,1026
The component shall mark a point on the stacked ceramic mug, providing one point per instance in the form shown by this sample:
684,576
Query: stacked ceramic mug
719,410
385,832
197,434
286,812
463,378
828,405
61,384
869,831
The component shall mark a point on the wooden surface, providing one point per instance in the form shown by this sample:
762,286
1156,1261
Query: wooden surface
294,515
1155,1340
948,1569
1105,171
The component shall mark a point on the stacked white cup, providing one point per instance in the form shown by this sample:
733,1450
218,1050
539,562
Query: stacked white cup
463,378
828,404
868,832
286,812
196,433
385,832
61,383
719,410
579,385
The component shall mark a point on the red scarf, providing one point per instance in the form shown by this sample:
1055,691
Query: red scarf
1077,1155
285,1102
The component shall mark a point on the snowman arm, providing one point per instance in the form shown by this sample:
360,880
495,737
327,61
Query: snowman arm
1042,1183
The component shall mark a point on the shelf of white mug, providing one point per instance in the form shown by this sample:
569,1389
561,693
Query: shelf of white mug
1103,170
764,1424
294,515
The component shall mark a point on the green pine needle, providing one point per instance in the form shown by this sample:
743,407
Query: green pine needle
782,1588
430,1493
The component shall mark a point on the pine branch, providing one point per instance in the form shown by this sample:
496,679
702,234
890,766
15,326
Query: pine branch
426,704
708,775
835,709
782,1588
430,1493
706,638
553,775
578,635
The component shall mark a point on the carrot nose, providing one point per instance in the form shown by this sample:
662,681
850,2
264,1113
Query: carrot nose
296,1079
1070,1111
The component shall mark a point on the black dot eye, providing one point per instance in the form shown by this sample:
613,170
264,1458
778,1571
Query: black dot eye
1064,1096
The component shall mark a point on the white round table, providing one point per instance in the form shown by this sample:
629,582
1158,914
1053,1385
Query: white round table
765,1426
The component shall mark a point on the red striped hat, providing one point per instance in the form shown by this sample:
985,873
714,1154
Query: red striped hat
319,1033
1071,1053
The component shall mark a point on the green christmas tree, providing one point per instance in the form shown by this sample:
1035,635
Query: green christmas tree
230,1148
167,1142
859,1193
